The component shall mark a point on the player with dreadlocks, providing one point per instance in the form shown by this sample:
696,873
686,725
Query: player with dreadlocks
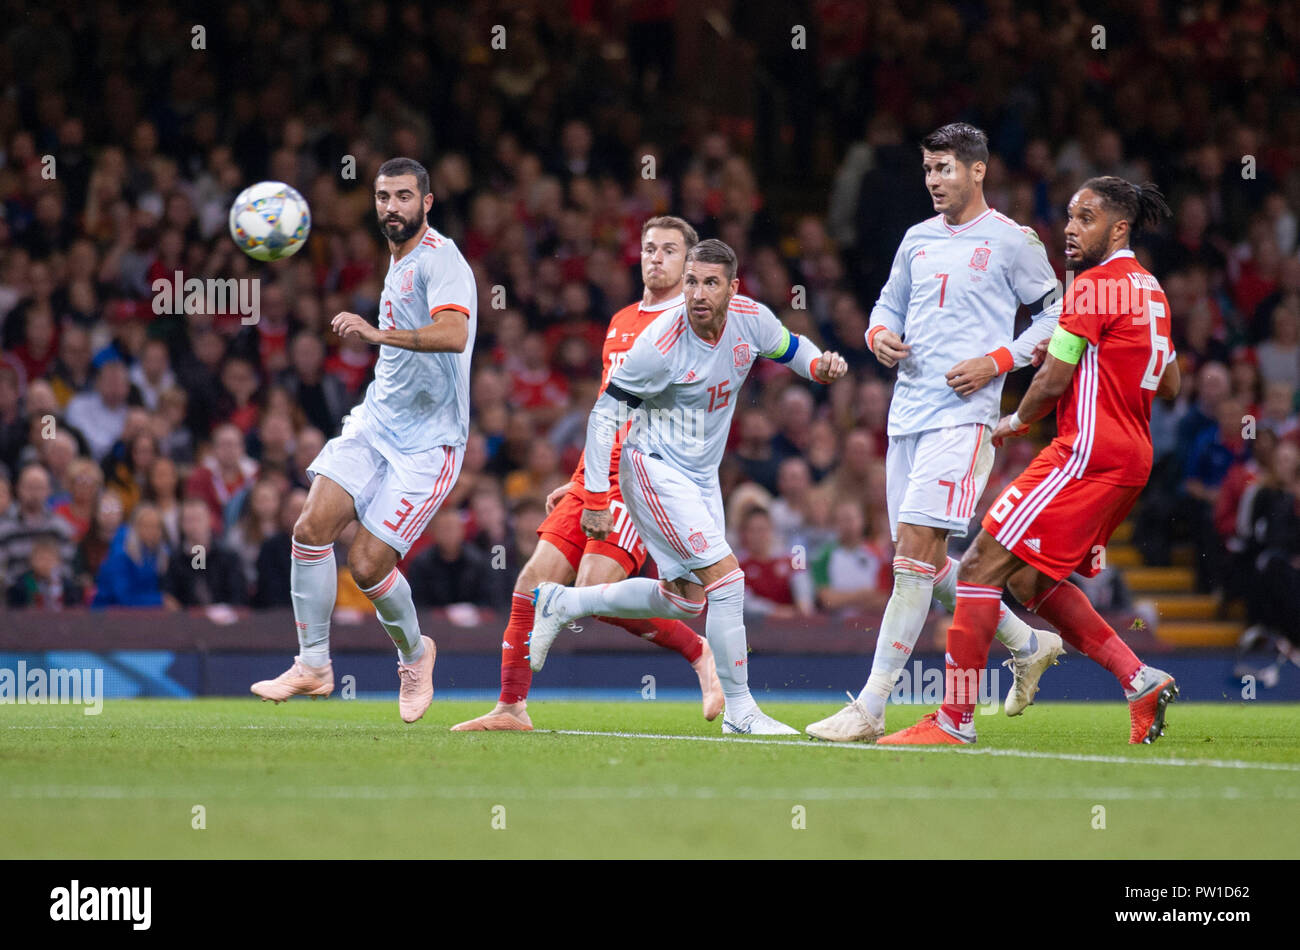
1109,356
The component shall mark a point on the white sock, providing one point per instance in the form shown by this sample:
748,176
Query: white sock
396,610
313,584
634,597
725,629
1014,633
899,630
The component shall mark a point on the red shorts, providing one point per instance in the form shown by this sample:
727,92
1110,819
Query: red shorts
1056,523
563,529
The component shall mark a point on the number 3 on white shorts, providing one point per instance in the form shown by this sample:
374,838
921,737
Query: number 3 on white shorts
1004,504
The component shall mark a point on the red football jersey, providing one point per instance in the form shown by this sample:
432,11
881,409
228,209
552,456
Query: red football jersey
624,327
1104,419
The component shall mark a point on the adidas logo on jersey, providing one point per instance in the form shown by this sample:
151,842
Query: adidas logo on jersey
1034,544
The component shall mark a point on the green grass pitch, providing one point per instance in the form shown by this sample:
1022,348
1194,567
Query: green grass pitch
347,779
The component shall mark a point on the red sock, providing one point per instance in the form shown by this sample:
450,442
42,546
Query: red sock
974,622
1067,609
516,674
669,634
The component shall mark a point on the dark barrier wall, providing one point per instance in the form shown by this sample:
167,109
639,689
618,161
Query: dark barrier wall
162,654
273,630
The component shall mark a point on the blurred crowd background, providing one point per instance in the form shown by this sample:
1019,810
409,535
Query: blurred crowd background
787,129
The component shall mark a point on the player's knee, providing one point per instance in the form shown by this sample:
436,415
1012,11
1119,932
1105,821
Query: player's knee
974,561
368,568
599,569
530,575
311,530
539,569
1023,586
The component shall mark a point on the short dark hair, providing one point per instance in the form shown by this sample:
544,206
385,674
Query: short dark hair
968,143
1142,206
714,251
668,222
406,166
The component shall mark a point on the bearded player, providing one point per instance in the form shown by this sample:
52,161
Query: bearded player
956,283
680,380
565,555
1108,359
399,452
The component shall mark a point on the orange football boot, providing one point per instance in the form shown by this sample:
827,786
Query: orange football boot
926,732
1146,707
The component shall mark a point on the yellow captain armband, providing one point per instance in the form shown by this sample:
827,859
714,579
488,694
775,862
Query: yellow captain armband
1065,346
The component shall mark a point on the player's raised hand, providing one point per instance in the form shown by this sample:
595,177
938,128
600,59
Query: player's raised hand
1040,352
554,497
597,524
972,375
350,324
1004,430
830,367
889,348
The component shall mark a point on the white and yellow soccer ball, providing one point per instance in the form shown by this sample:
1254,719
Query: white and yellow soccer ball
270,220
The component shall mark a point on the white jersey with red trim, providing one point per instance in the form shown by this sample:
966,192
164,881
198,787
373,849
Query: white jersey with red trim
419,401
952,294
688,387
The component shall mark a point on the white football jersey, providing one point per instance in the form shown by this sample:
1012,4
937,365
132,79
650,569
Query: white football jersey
419,401
688,387
952,294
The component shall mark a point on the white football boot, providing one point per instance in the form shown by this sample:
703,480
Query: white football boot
549,618
1028,670
851,724
757,723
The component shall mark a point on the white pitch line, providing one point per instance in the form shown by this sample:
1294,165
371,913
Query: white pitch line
316,726
1011,753
616,793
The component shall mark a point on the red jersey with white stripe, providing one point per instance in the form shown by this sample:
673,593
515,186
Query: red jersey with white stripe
1104,419
624,327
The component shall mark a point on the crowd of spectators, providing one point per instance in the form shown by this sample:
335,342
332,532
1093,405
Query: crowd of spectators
152,459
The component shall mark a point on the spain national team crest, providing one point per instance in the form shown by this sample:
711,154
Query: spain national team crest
980,259
408,281
742,354
698,542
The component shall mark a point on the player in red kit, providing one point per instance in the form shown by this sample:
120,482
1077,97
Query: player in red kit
1108,359
565,554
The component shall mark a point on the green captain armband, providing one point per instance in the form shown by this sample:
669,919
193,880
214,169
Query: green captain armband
1065,346
784,350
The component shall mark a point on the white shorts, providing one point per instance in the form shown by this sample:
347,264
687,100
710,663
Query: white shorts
683,526
935,478
395,494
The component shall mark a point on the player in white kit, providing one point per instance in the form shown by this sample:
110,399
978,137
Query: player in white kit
678,389
956,283
399,452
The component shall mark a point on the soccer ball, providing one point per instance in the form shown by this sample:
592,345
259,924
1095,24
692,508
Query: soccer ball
270,220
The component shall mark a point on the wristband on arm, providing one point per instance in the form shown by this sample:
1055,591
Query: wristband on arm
1003,359
595,500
